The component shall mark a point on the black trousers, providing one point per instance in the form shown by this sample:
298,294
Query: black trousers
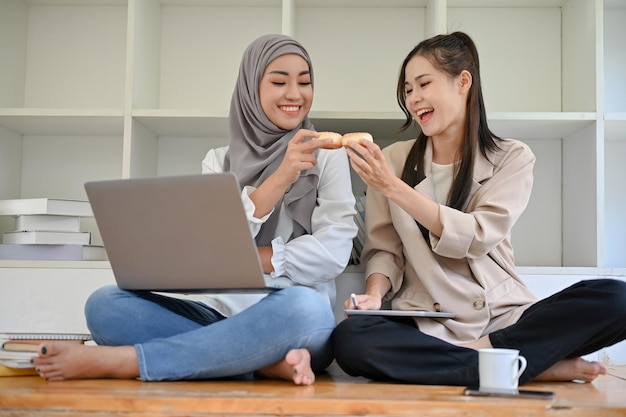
579,320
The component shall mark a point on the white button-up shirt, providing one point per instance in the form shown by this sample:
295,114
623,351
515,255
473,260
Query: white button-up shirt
313,260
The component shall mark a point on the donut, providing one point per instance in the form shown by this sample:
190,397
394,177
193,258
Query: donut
336,137
355,136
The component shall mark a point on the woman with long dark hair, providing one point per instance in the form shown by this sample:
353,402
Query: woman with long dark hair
440,209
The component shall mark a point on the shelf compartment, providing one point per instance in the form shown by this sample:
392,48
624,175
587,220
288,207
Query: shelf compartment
615,203
562,36
615,126
176,147
69,54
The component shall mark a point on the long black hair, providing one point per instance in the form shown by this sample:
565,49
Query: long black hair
451,54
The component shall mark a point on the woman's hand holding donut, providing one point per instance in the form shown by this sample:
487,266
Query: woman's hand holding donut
300,155
368,161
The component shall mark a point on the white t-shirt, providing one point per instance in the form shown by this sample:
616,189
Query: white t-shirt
442,178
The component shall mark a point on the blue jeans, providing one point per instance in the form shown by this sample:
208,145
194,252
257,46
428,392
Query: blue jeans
181,339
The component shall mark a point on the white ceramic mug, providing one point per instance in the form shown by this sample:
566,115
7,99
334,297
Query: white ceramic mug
500,369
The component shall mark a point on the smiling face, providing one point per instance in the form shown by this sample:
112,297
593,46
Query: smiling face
286,92
436,100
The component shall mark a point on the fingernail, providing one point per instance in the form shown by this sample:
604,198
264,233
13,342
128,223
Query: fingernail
44,350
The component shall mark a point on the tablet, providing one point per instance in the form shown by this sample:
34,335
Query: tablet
401,313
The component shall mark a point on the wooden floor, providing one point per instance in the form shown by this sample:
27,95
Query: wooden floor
333,394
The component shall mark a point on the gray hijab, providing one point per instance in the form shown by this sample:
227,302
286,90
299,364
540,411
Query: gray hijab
257,146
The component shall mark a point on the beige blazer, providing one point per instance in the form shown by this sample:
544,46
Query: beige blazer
470,269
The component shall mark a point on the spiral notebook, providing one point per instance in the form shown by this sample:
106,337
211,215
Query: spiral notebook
45,336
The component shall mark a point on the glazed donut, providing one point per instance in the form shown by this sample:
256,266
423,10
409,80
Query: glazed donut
355,136
336,137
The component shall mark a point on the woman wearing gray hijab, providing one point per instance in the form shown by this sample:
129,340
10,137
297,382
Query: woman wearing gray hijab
300,207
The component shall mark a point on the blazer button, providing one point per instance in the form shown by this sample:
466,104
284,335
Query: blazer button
479,304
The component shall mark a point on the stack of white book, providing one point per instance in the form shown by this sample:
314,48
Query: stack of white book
17,349
48,229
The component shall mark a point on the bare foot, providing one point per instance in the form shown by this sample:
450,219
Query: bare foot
576,369
295,367
65,360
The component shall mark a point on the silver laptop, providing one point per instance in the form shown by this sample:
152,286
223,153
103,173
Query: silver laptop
184,234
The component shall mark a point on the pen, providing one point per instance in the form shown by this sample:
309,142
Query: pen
354,300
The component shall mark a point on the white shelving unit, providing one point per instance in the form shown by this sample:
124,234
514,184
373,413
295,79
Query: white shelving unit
98,89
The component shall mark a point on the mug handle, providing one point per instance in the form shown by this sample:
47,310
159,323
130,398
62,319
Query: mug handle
522,367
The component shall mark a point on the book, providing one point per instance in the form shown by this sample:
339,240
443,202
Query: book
58,206
8,371
41,252
28,345
44,336
16,359
47,222
49,238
